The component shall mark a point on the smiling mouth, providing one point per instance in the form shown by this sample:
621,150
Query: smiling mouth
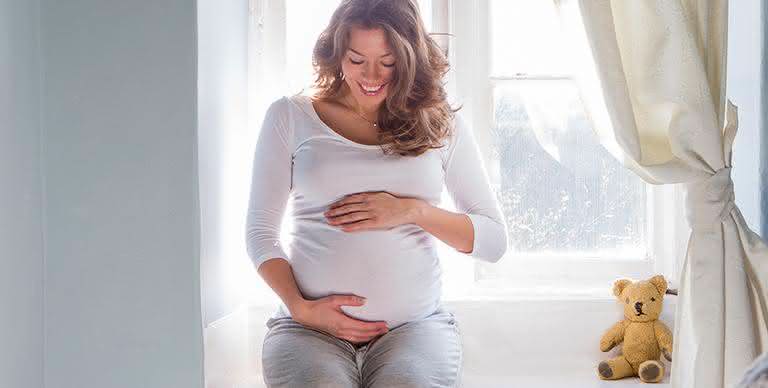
371,91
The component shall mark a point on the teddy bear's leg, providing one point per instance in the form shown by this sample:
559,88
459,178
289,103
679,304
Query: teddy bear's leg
614,368
651,371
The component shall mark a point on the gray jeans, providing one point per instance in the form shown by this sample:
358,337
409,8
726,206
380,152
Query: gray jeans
422,353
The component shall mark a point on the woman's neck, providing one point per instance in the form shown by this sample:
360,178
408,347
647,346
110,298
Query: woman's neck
371,112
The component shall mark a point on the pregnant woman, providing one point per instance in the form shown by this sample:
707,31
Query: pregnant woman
363,159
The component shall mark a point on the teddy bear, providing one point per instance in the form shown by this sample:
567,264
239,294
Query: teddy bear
645,338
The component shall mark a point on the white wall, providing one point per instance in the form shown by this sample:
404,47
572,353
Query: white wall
744,75
21,248
122,232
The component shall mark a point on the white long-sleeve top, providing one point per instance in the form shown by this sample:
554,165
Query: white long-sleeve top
299,158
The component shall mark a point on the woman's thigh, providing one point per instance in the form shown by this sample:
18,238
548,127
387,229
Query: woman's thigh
424,353
294,355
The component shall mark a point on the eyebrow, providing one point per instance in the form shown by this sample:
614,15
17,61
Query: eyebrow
354,51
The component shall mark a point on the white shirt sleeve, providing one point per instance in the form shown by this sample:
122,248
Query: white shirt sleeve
468,186
270,186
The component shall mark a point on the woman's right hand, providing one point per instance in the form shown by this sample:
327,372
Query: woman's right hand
325,314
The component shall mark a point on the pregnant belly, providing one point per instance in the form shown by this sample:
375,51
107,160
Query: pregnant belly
396,270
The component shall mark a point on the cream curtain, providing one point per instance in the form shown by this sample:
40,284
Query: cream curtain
653,82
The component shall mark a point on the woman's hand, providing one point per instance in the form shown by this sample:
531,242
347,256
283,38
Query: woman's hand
372,210
325,314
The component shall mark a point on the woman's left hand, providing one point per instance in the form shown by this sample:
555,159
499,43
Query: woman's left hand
372,210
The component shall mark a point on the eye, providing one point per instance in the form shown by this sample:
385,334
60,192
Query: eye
356,63
653,299
391,65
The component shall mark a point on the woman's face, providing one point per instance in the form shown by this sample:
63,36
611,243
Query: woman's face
368,66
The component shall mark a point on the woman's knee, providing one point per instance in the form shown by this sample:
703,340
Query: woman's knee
404,378
312,376
303,358
412,373
320,372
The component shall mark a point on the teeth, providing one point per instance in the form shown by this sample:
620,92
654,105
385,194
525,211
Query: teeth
371,88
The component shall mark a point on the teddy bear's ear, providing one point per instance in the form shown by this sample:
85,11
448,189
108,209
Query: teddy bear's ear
619,285
660,283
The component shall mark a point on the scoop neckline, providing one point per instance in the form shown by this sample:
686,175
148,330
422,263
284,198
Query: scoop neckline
316,116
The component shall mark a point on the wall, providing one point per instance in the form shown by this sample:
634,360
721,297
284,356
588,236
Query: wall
745,54
122,232
21,248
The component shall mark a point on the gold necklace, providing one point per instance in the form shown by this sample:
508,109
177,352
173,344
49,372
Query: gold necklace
361,116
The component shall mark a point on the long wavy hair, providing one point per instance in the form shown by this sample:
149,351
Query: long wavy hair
415,115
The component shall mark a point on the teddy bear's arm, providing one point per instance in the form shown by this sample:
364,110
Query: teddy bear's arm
664,336
613,337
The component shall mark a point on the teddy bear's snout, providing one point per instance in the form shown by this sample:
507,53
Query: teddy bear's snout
639,308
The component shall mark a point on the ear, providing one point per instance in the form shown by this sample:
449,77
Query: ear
660,283
619,285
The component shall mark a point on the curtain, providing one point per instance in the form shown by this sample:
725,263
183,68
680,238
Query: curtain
652,78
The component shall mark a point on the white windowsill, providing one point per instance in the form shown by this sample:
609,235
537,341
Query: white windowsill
546,341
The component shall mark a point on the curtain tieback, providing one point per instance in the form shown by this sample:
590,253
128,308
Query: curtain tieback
710,200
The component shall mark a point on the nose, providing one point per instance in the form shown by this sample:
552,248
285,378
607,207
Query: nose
639,306
371,71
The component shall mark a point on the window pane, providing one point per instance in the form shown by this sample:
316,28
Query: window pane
525,38
562,193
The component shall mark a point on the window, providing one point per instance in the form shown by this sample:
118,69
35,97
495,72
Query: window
577,218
